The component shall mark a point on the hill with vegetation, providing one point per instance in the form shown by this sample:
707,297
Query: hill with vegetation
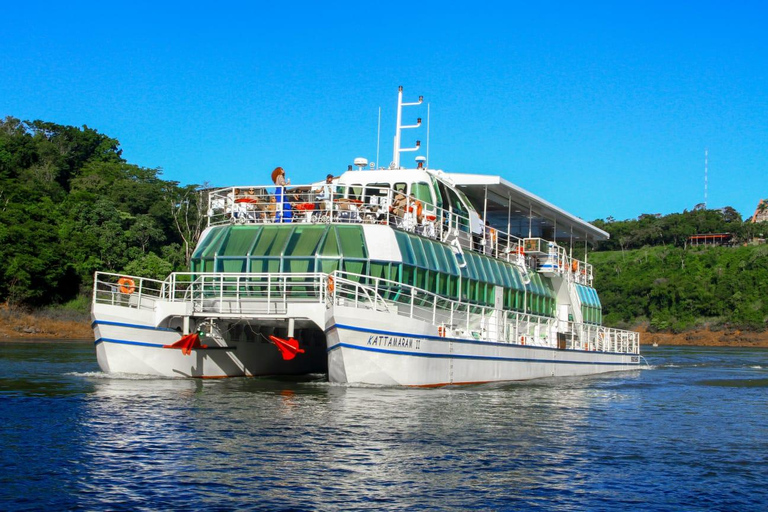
70,204
648,273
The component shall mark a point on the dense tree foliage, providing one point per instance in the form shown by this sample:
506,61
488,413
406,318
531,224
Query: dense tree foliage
674,229
648,271
674,288
71,205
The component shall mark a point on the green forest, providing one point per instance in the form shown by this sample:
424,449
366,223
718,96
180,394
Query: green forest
70,204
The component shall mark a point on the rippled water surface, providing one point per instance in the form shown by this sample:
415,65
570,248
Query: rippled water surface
689,434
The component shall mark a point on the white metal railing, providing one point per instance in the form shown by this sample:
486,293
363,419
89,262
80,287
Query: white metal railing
270,293
379,205
129,291
462,319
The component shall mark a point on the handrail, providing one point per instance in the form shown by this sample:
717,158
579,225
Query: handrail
300,204
269,294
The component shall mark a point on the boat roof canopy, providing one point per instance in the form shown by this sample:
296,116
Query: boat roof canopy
525,212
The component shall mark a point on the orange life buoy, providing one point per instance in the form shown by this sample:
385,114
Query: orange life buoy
330,286
520,250
522,340
575,265
127,285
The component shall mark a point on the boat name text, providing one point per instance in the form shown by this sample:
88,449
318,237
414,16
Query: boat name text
384,340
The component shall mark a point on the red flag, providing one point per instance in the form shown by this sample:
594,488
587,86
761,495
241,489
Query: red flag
187,343
288,348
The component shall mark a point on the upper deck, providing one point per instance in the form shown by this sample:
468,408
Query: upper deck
415,201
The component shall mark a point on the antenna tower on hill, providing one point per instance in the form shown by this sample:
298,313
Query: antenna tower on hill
705,178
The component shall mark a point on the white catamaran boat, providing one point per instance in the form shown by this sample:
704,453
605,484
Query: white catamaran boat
387,276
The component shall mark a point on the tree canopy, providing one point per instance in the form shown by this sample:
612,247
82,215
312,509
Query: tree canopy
70,205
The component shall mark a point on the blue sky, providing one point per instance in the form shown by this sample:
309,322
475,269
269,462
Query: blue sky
603,108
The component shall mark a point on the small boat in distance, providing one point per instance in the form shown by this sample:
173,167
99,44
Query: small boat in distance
389,276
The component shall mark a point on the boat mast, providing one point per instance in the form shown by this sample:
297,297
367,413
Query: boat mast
397,148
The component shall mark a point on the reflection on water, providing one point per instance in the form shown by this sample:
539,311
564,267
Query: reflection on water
687,435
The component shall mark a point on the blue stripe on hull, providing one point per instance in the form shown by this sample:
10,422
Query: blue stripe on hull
461,340
154,345
131,326
461,356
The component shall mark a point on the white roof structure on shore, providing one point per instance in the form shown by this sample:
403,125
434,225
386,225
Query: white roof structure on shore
528,212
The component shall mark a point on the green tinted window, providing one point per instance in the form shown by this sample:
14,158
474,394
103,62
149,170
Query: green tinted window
330,246
418,252
421,192
231,265
272,240
304,240
406,250
239,240
327,265
352,242
213,236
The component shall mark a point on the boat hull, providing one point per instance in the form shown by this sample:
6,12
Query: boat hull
371,352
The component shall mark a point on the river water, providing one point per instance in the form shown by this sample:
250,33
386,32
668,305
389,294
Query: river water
690,433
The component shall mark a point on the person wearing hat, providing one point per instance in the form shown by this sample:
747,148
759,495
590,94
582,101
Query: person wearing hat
325,194
283,213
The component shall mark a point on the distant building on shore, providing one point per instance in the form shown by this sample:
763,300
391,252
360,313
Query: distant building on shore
761,212
711,239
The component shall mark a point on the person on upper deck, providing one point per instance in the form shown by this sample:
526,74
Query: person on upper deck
283,213
324,194
399,203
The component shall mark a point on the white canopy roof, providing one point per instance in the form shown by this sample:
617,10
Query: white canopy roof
528,212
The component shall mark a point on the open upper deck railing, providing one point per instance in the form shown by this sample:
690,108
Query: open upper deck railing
378,205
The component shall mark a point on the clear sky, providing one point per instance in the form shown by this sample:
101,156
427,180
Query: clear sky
602,108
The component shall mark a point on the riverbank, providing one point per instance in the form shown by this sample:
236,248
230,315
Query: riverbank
705,338
17,324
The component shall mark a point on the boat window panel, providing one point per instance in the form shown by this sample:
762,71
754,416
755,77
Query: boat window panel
479,267
330,246
375,191
422,192
436,190
272,240
406,251
354,267
239,241
505,274
356,191
421,279
469,269
595,298
231,265
439,255
352,241
418,252
214,243
492,271
304,240
408,274
204,248
379,270
450,259
327,265
265,265
298,265
429,249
